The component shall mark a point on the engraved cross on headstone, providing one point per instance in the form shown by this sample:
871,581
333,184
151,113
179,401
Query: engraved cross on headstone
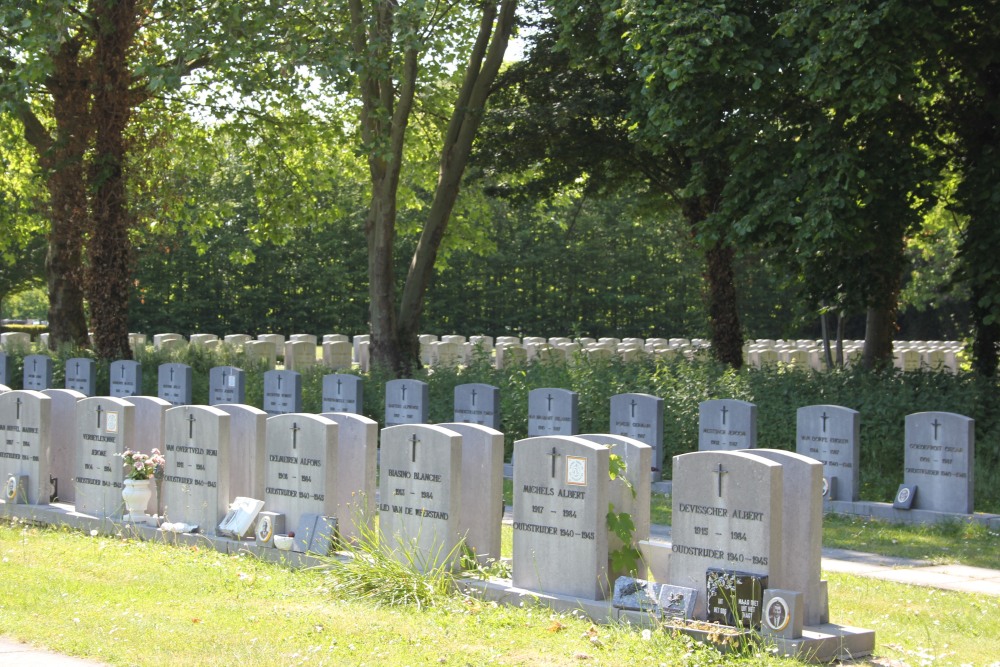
123,371
633,404
720,472
413,447
549,399
339,382
402,393
936,424
279,382
171,374
99,411
295,434
17,415
191,420
553,454
724,411
473,398
824,417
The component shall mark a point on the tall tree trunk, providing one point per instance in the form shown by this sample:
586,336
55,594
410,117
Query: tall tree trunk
986,336
109,247
62,158
723,316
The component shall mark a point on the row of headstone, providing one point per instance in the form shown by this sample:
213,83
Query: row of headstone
939,455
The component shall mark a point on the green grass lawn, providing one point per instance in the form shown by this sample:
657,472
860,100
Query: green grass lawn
142,603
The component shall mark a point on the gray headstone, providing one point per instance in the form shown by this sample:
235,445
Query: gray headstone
940,459
338,355
301,471
105,427
783,613
636,594
420,492
560,516
727,513
227,384
482,488
63,442
406,402
640,417
25,420
357,452
174,384
343,393
126,378
831,435
6,369
802,530
477,404
247,457
81,376
15,340
282,393
261,350
553,412
37,372
300,355
195,477
677,601
237,340
726,425
629,493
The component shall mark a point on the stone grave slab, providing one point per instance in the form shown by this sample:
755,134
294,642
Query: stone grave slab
174,384
553,412
63,442
406,402
636,595
237,340
477,403
357,453
282,392
126,378
727,514
25,423
482,488
801,531
735,598
105,427
831,434
343,393
677,602
195,477
561,500
247,456
420,493
940,461
261,351
726,424
300,355
640,417
300,474
12,341
227,384
338,355
81,376
37,372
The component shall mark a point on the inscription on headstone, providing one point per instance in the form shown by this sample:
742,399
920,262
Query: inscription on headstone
939,460
477,404
640,417
282,392
301,471
196,477
25,420
81,376
406,402
735,598
126,378
420,492
830,434
105,427
227,384
343,393
174,384
553,412
37,372
726,424
560,508
727,514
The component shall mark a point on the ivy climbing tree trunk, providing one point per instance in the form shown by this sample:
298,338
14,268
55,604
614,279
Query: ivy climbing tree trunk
108,249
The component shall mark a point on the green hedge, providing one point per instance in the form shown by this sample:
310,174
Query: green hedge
883,399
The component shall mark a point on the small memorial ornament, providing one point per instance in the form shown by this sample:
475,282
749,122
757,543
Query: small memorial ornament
136,492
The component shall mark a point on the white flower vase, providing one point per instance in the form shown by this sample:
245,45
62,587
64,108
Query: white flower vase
136,494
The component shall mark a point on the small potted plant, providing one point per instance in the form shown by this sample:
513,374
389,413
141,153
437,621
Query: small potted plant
139,470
